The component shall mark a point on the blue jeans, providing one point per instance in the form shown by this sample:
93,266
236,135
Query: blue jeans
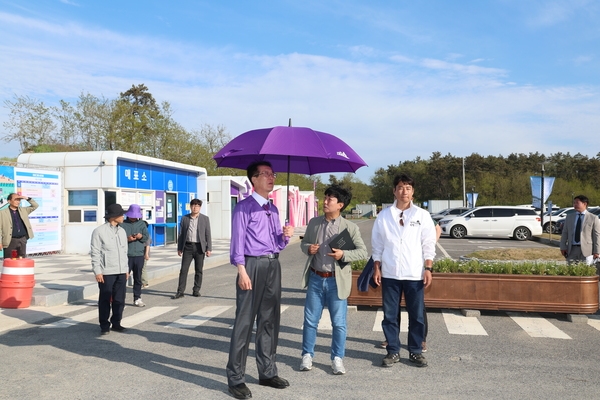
391,291
323,292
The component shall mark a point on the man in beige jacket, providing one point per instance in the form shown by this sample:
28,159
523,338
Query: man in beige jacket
328,276
15,227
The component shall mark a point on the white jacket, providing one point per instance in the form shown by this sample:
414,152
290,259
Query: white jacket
402,250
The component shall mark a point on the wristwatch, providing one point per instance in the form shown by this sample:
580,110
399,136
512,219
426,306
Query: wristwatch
429,269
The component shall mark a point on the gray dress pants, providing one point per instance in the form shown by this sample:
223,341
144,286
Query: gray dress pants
262,303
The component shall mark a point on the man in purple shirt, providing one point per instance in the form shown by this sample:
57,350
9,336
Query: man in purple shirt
256,240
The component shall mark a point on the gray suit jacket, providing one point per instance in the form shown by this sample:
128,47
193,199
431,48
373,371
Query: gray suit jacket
590,234
343,277
203,232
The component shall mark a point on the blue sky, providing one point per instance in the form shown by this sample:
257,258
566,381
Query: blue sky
394,79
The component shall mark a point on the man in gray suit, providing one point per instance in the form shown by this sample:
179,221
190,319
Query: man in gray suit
580,239
328,276
193,243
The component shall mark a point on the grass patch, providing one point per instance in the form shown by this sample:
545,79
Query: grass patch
549,253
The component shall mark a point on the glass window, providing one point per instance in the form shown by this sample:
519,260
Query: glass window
83,197
74,215
504,212
482,213
524,211
89,216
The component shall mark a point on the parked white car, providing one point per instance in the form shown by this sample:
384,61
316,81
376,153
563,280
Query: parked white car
500,221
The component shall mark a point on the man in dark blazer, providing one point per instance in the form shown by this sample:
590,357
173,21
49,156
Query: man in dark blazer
193,243
580,239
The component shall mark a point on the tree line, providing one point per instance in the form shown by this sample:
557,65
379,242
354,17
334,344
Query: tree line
136,123
499,180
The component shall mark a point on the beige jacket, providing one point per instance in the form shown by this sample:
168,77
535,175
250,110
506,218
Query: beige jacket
6,223
343,277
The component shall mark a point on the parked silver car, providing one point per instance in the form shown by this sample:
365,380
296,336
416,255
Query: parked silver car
449,212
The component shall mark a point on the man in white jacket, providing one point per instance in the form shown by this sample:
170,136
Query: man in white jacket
403,247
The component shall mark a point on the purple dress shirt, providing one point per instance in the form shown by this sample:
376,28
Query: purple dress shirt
255,231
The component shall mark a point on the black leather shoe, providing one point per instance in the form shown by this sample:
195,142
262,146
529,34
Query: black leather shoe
177,296
118,328
274,382
104,332
240,391
197,294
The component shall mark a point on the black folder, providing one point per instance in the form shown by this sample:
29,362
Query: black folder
342,241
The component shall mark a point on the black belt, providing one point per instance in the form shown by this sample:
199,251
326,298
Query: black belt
18,237
575,245
269,256
191,242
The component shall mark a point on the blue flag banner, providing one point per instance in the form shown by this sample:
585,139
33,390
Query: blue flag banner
472,199
536,189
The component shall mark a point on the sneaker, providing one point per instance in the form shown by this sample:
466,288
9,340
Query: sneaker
306,364
145,285
139,303
424,347
417,359
338,366
390,359
383,345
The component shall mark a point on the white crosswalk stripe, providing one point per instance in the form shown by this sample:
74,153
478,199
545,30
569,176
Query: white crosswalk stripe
538,327
458,324
65,323
533,324
594,320
145,315
12,319
199,317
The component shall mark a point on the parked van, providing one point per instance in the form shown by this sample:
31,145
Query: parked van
499,221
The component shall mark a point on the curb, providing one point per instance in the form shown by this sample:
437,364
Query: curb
549,242
49,297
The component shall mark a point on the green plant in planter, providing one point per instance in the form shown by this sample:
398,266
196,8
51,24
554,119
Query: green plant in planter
552,268
474,266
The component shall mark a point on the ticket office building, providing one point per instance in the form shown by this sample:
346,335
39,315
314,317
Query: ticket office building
94,180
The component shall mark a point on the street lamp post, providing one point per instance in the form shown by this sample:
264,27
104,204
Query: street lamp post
542,198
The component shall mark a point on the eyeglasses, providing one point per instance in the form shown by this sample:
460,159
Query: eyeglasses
402,218
267,175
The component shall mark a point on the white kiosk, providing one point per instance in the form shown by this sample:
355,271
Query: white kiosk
95,179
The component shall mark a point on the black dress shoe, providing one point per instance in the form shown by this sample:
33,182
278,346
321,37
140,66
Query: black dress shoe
118,328
104,332
274,382
177,296
197,294
240,391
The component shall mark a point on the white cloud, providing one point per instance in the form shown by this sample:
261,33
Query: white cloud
389,111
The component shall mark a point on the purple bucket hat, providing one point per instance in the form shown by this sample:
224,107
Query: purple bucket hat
134,211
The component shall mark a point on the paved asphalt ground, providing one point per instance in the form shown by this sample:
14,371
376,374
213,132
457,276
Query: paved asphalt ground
176,349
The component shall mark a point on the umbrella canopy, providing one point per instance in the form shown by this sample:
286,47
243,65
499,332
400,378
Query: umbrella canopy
290,149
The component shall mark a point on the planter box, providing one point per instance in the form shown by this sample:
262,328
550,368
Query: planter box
538,293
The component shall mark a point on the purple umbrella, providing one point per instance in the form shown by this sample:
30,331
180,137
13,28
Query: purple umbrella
290,149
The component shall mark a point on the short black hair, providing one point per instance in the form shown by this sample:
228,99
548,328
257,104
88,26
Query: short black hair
342,194
10,196
196,201
582,199
407,180
253,168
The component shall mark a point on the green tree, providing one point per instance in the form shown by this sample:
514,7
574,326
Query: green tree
30,122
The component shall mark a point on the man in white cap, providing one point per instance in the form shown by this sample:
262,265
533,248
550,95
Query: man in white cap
108,249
